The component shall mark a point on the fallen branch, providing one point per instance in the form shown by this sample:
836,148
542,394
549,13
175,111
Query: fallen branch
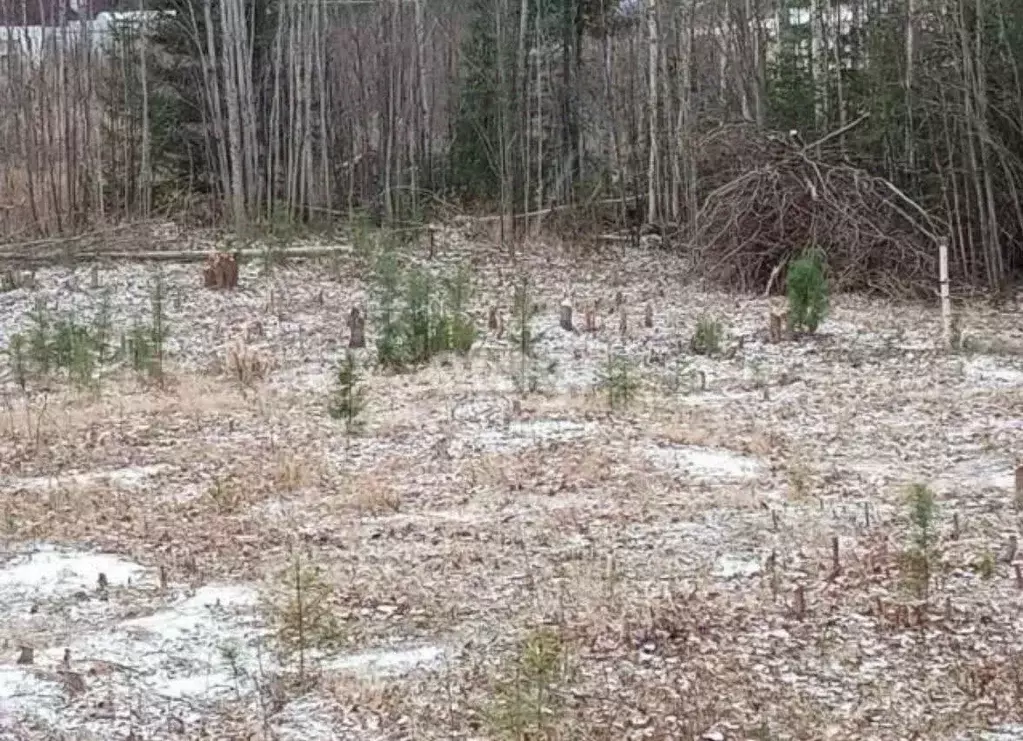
182,256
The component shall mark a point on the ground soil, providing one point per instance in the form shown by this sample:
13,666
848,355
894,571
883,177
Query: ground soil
491,561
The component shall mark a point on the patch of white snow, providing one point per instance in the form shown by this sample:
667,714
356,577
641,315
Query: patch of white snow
50,572
986,371
704,463
131,477
388,663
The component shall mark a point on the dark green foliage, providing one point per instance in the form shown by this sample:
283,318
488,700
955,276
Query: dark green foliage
918,560
39,348
619,381
418,316
474,159
461,330
73,350
708,336
143,346
137,348
102,328
807,288
527,703
348,400
16,357
529,368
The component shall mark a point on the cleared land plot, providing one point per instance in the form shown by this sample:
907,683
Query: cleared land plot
661,570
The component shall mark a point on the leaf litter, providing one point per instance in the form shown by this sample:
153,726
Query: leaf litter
682,547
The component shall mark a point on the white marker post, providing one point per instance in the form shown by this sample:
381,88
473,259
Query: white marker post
946,302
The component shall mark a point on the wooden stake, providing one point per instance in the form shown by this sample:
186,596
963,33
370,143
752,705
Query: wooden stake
866,514
356,328
1010,551
1019,488
648,317
835,565
566,316
946,302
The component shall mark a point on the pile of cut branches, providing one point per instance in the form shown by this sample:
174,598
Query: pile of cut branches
773,196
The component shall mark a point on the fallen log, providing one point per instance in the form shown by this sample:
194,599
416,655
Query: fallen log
183,256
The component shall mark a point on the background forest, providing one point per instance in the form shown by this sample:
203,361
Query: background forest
743,129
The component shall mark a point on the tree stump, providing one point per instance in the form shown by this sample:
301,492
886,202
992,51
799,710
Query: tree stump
27,655
648,317
776,326
220,271
1019,487
566,316
492,322
356,328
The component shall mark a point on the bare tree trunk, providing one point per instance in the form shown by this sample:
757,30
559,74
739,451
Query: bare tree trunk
425,152
652,104
145,171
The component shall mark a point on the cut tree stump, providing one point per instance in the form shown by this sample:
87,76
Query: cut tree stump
220,271
356,328
776,326
1019,487
566,316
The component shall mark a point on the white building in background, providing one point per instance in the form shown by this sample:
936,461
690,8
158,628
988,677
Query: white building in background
34,41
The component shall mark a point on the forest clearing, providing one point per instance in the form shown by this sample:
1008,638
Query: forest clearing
675,531
550,370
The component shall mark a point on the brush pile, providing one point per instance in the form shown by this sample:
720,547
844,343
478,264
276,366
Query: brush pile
771,195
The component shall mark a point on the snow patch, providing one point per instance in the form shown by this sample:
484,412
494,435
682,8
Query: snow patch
50,572
197,685
730,567
1004,733
986,371
23,693
519,435
305,720
179,652
131,477
704,463
976,475
388,663
197,613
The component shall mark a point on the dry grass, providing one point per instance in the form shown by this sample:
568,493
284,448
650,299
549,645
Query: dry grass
470,517
371,494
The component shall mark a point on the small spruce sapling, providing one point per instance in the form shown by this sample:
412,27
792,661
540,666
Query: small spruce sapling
40,349
158,329
16,357
525,340
528,704
619,380
708,336
348,400
918,560
461,329
386,289
807,288
300,613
